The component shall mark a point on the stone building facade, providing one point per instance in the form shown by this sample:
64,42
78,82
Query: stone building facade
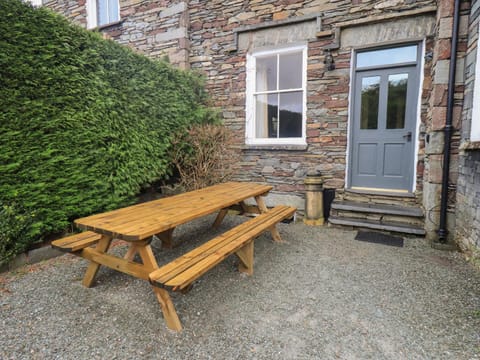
468,193
305,84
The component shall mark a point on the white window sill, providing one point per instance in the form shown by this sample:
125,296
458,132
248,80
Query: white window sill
276,147
106,26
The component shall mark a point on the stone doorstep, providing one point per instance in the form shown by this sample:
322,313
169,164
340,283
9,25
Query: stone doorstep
398,199
371,224
380,218
377,208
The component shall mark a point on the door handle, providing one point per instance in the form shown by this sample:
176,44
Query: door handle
408,136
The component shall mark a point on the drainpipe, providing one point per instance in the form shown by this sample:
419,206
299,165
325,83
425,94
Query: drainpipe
442,231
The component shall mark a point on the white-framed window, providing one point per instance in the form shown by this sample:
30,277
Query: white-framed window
276,96
102,12
475,129
35,2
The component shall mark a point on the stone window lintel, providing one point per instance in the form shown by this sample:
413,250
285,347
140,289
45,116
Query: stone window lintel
470,145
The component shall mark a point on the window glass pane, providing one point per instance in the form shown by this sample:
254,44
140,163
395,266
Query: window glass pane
112,11
290,74
107,11
266,119
266,73
387,56
369,102
102,12
291,110
397,101
35,2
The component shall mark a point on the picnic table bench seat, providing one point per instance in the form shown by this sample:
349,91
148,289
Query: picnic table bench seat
76,242
179,274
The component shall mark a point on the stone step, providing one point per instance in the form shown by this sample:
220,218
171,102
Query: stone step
377,208
377,225
381,217
364,197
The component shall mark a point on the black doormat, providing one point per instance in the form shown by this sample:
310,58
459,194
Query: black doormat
379,238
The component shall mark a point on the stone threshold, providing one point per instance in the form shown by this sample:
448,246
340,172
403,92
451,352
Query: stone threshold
381,193
371,224
378,208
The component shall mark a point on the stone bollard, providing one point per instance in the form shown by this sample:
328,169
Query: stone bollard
313,199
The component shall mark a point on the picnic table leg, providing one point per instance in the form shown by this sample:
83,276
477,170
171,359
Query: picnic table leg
168,309
219,218
166,238
245,254
263,208
244,207
102,247
131,252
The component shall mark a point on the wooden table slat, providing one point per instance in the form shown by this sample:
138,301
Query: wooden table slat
143,220
172,202
233,236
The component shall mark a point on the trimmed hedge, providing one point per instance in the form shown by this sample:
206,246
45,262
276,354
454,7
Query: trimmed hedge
84,122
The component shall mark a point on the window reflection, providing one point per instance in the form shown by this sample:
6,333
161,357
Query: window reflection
398,55
266,116
279,95
291,114
397,101
290,74
266,73
369,102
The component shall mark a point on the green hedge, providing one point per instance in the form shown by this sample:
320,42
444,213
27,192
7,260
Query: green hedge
84,122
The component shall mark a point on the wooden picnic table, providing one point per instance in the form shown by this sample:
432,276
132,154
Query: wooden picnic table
138,223
161,217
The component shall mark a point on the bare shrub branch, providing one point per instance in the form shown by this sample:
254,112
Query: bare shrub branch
204,156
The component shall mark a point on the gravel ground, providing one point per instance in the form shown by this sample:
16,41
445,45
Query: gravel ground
318,295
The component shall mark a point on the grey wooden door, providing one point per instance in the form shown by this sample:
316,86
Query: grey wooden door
383,128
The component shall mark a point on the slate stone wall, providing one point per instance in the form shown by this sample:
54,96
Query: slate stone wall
213,29
156,28
214,37
436,117
468,191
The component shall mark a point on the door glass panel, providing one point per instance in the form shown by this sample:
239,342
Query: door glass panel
266,111
266,77
398,55
290,74
397,101
369,102
291,109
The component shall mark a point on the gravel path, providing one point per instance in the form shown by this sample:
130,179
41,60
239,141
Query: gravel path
319,295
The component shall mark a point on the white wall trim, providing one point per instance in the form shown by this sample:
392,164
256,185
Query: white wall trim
416,149
349,119
91,7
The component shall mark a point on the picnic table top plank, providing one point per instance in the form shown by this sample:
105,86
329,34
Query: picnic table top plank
172,203
143,220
